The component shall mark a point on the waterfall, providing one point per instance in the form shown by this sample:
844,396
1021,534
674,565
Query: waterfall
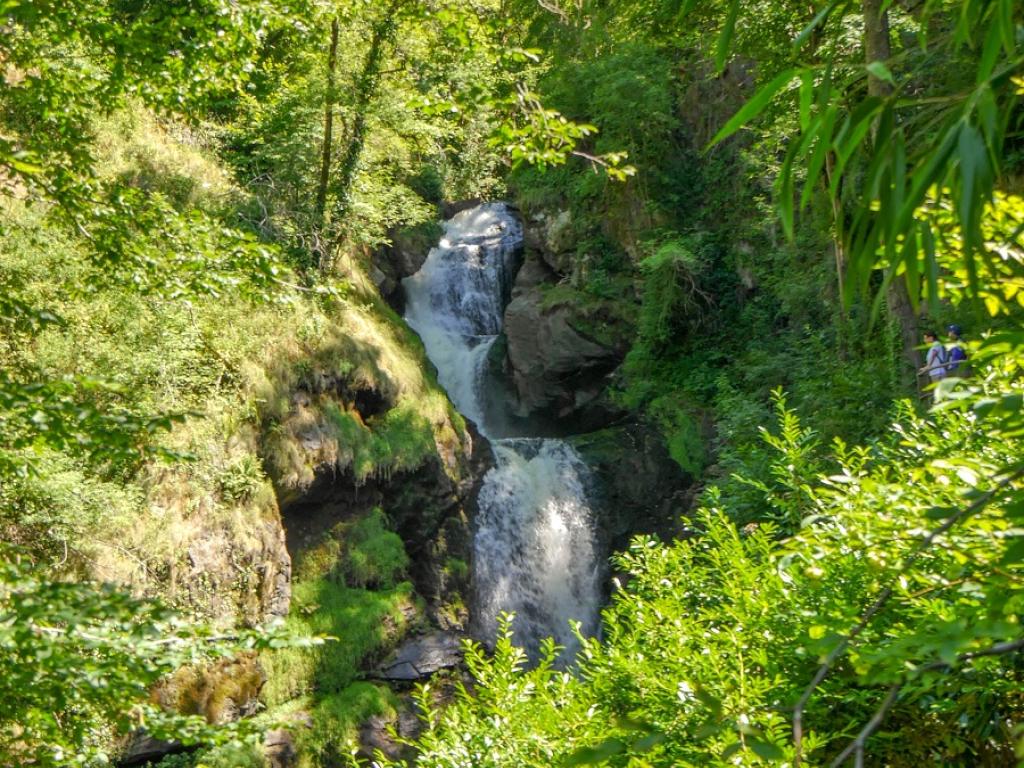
534,546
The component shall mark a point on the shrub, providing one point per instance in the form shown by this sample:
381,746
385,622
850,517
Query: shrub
713,639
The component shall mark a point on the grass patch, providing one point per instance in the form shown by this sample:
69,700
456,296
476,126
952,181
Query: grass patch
365,622
348,586
336,721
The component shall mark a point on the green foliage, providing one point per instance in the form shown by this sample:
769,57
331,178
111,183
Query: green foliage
673,302
141,287
375,555
347,587
950,149
242,755
401,440
336,721
712,640
54,511
364,621
234,756
793,467
79,660
242,479
681,429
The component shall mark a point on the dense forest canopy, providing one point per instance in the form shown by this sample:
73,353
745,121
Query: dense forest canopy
755,210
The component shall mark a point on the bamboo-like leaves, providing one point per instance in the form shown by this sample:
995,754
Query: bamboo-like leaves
909,144
725,36
817,22
756,105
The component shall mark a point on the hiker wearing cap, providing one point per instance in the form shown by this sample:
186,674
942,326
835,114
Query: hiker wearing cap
956,357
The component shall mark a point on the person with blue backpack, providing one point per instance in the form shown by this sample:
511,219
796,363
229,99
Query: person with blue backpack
956,357
935,359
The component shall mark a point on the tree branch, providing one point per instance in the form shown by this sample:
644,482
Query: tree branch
883,597
857,745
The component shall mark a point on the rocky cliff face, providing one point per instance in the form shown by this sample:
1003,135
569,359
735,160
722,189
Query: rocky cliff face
401,257
556,369
561,346
640,488
366,427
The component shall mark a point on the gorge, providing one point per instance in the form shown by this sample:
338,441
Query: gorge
333,333
535,551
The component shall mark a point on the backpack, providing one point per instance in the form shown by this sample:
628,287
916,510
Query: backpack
938,368
954,358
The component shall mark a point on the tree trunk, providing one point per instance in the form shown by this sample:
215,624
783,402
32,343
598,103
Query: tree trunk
329,100
877,47
383,33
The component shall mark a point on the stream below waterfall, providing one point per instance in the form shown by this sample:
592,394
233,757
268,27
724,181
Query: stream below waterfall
534,545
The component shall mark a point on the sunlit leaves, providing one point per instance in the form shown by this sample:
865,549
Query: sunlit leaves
141,240
76,415
996,277
709,640
543,137
79,658
908,142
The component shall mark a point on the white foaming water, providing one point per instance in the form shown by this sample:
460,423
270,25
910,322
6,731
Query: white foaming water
455,302
534,547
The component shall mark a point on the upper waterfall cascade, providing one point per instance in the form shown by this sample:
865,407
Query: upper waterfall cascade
534,548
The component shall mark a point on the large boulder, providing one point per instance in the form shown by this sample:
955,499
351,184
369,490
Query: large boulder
421,657
552,236
556,369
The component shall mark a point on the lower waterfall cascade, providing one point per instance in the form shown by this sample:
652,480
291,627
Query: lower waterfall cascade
534,546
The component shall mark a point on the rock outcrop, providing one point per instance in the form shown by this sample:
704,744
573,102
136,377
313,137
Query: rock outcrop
641,489
555,368
401,257
560,345
553,238
421,657
379,434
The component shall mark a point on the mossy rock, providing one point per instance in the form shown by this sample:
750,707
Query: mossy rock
640,488
220,692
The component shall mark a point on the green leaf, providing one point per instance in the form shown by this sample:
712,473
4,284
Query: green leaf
819,19
709,701
990,52
755,106
880,71
765,749
597,754
974,173
731,750
806,97
1007,28
724,44
1014,554
648,742
821,150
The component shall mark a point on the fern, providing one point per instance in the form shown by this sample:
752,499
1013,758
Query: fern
672,293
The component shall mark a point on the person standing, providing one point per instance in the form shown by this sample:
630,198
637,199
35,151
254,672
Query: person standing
935,358
956,358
